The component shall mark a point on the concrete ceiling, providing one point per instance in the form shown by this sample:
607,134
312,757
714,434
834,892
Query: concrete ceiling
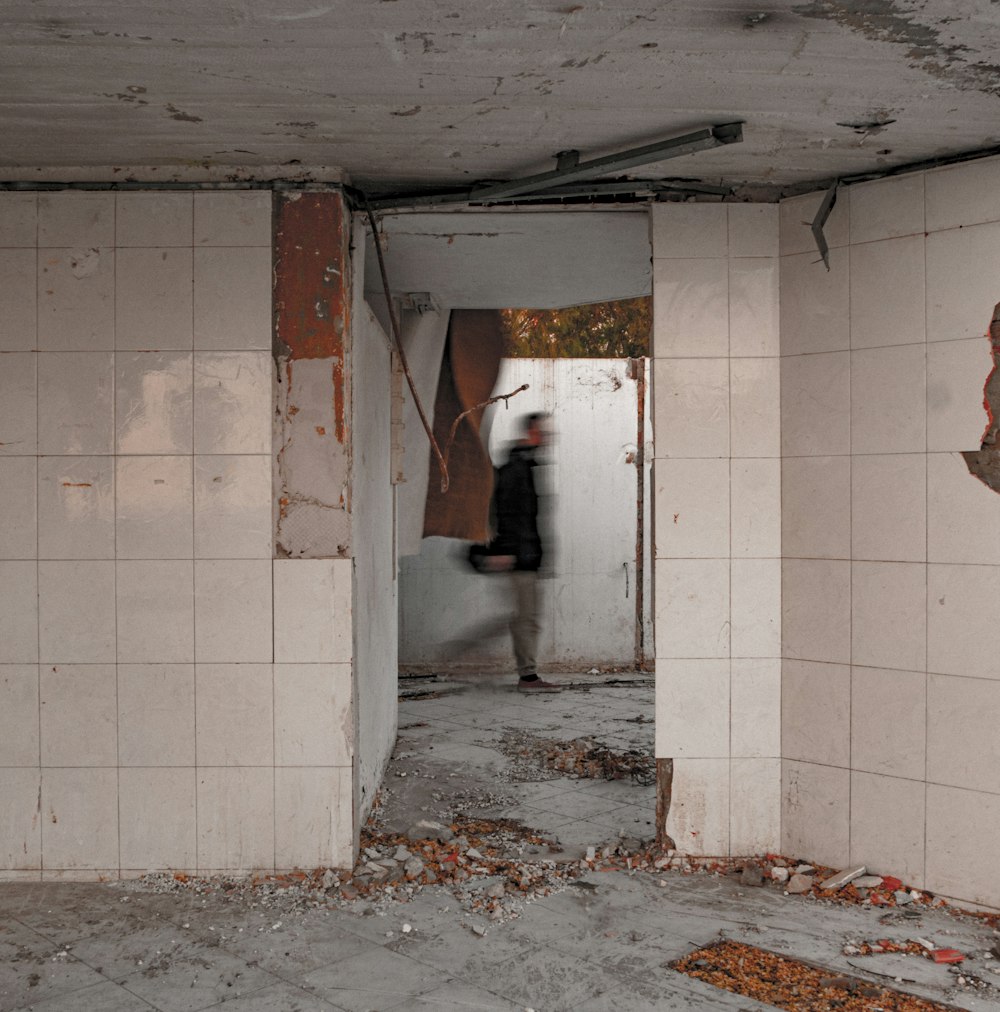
405,93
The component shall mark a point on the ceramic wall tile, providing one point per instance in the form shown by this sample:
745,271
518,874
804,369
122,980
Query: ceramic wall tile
18,715
755,703
755,412
158,828
237,218
154,402
21,829
79,725
885,208
76,299
154,218
153,300
76,219
896,749
815,812
691,407
816,712
235,818
754,806
18,612
815,303
755,508
956,377
888,397
888,614
692,508
156,714
18,403
313,715
80,812
76,609
235,714
699,809
887,826
18,300
691,308
816,507
232,298
889,507
314,817
754,307
755,589
233,611
960,295
962,827
887,293
959,642
963,194
753,230
959,508
683,231
816,404
816,610
963,749
232,507
692,607
76,508
155,611
692,711
18,219
76,403
312,610
232,402
18,507
154,507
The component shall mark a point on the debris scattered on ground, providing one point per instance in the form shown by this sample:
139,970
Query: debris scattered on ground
791,984
580,757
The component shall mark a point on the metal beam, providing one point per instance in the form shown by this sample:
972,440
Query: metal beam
699,140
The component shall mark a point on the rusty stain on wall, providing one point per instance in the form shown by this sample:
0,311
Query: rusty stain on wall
664,793
984,463
311,327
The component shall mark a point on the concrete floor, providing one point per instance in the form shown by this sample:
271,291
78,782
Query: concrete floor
598,942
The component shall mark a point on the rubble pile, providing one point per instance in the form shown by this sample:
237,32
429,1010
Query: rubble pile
583,758
791,984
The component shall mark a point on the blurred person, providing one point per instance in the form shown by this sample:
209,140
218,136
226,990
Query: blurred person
517,546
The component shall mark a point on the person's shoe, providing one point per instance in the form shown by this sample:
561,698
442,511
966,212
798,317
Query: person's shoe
537,685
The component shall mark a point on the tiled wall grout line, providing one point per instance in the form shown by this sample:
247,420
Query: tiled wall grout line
114,501
38,552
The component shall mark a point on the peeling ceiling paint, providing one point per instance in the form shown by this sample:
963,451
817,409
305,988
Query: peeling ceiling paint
425,92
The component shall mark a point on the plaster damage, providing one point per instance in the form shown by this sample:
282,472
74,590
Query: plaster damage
984,463
311,289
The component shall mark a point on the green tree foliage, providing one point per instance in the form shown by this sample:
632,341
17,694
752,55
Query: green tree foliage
601,330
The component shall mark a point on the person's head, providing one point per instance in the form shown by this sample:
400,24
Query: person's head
535,429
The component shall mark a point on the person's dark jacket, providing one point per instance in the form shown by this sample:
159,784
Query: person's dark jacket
516,503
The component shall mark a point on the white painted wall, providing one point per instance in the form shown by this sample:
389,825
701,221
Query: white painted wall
590,492
717,523
373,541
891,684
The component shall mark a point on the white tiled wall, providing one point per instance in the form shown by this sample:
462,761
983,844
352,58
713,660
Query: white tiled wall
891,548
143,690
717,568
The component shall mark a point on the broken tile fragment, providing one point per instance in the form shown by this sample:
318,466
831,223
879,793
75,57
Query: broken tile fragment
841,878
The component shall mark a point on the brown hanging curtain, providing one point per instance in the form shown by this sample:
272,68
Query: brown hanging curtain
469,373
